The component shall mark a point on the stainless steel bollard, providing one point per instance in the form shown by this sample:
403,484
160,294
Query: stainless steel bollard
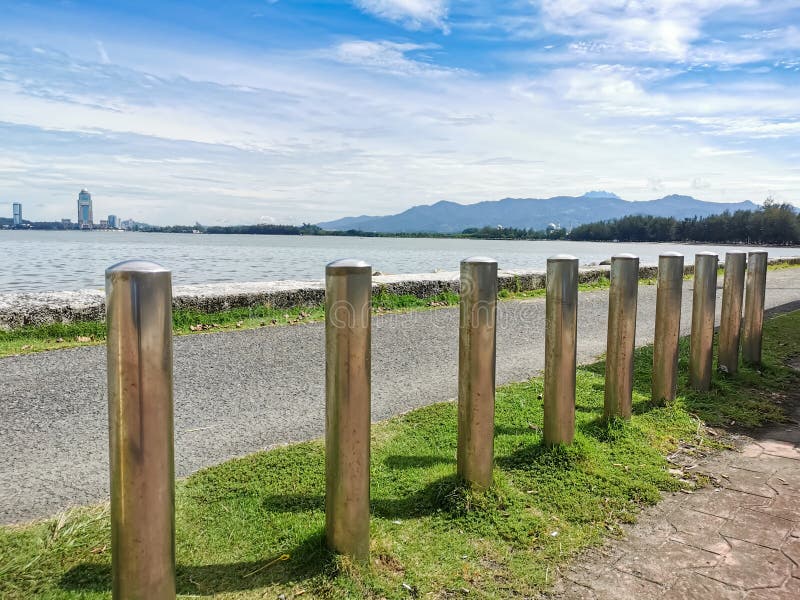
560,347
704,298
622,298
476,370
140,415
348,294
754,307
669,293
730,323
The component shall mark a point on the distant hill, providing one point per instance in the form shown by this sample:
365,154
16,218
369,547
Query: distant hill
531,213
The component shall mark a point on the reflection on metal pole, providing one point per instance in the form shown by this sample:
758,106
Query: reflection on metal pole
561,323
730,323
622,297
476,370
668,326
754,307
348,294
140,405
704,298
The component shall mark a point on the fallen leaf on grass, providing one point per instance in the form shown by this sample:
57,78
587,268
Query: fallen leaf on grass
83,338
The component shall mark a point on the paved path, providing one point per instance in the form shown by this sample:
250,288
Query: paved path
240,392
738,540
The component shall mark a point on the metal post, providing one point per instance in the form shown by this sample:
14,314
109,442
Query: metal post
140,415
669,292
754,307
622,297
476,370
348,293
704,298
730,323
561,324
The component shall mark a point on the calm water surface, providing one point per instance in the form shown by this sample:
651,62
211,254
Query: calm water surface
72,260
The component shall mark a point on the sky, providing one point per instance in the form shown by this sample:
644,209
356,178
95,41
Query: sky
282,111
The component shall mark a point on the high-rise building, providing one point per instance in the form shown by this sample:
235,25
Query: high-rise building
113,221
85,210
17,214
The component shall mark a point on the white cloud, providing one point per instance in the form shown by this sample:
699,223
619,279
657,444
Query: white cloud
744,126
413,14
663,28
101,50
388,57
711,151
646,96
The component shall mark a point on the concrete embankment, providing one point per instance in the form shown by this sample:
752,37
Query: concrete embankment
18,309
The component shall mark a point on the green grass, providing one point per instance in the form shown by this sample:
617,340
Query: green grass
600,283
253,527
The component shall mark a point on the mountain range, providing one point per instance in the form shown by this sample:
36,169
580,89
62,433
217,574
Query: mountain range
531,213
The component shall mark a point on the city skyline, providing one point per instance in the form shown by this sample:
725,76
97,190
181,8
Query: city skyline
280,112
85,216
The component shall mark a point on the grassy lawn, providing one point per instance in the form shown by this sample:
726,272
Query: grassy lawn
253,527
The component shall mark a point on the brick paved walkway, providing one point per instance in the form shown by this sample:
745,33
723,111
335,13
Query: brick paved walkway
737,539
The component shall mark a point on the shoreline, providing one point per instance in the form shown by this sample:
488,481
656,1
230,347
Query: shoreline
422,235
19,309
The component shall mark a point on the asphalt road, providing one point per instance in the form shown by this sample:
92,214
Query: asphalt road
243,391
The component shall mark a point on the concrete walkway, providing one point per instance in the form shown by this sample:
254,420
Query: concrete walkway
737,539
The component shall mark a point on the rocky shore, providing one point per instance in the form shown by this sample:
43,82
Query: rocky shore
18,309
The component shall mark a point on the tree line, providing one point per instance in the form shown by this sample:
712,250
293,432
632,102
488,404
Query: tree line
776,224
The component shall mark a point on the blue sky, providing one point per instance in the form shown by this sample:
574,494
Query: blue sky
279,111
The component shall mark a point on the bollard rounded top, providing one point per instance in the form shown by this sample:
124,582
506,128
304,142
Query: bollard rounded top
706,253
479,259
562,258
736,253
625,256
758,252
136,266
347,265
671,255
